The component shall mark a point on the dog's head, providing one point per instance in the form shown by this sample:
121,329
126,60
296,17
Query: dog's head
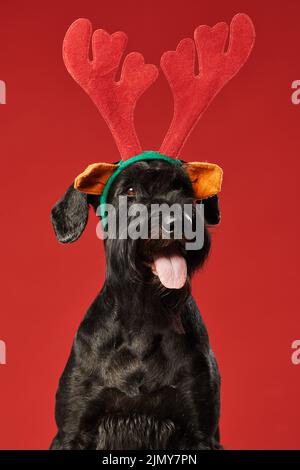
155,228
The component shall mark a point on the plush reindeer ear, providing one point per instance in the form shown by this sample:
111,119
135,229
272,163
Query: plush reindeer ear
206,178
69,215
94,178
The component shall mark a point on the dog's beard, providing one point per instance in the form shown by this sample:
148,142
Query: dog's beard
163,264
160,262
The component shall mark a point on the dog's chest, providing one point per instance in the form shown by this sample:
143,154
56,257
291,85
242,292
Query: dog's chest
148,372
146,362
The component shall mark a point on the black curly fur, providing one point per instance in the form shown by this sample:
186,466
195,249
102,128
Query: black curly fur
141,373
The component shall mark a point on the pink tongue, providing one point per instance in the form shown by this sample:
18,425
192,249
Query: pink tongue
171,271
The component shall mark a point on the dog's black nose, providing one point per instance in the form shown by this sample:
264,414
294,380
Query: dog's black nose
169,222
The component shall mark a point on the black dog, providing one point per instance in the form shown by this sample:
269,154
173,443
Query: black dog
141,374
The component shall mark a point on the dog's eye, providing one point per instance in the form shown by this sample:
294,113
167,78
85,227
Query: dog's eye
197,201
131,192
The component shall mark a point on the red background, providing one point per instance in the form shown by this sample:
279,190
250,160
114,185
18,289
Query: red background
248,292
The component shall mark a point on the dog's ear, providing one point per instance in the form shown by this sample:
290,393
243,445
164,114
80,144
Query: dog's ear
206,179
69,215
211,210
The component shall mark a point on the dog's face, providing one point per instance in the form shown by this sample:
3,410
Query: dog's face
163,257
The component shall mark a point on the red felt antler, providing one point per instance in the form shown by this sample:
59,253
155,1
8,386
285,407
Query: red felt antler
193,93
115,100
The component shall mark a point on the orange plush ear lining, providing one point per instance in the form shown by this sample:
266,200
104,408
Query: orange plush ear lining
94,178
206,178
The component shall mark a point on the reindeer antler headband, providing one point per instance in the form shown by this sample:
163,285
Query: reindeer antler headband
116,100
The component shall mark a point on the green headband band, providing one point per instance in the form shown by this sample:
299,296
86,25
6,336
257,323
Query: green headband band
148,155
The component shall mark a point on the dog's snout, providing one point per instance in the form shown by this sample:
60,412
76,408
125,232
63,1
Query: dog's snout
188,217
169,223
